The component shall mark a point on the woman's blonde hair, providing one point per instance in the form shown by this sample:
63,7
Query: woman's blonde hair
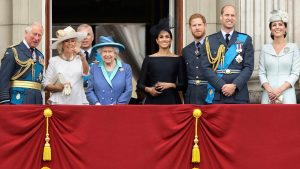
60,48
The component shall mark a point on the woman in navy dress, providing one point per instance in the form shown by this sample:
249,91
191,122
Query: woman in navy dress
162,73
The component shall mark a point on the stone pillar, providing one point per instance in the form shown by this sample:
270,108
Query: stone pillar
5,25
206,8
15,16
24,13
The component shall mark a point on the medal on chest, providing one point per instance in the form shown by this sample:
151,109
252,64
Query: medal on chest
239,50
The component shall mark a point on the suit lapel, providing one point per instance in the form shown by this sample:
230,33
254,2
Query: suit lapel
221,38
233,38
192,48
25,50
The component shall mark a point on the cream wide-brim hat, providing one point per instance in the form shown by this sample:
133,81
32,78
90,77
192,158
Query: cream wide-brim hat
67,33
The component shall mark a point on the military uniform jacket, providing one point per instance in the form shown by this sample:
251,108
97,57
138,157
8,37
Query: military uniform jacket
194,94
10,67
241,94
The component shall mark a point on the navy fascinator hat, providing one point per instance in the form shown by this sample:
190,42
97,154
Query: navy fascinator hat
164,24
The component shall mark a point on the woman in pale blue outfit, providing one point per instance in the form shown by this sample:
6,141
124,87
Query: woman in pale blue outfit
110,81
279,64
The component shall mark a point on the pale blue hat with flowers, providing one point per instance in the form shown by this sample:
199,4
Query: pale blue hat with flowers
108,41
279,15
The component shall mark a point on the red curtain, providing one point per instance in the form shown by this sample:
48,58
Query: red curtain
96,137
151,137
250,137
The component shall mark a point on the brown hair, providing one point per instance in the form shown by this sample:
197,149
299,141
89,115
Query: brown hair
270,26
197,15
222,9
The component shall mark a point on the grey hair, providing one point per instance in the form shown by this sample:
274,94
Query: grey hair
29,28
117,50
85,26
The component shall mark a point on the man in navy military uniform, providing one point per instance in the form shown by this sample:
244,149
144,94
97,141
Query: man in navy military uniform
228,61
21,70
195,81
86,48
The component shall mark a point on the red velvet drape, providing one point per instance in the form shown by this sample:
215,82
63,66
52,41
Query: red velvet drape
250,137
98,137
151,137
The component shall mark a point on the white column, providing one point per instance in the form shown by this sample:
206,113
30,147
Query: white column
24,13
5,25
206,8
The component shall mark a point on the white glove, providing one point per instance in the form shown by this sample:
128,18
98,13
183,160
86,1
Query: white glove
67,89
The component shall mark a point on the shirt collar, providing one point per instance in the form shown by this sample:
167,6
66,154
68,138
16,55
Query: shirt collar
89,50
201,40
26,44
224,33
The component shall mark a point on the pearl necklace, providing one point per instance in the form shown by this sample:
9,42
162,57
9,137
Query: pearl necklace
67,59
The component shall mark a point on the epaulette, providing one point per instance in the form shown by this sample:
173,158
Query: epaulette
213,34
13,45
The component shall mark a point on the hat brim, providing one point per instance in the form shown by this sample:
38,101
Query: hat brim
78,35
118,45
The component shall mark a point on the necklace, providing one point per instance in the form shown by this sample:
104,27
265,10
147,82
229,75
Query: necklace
66,58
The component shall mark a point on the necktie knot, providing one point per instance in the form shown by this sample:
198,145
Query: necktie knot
227,38
198,45
31,50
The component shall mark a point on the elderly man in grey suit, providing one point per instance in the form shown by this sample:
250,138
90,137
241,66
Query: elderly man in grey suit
196,85
227,62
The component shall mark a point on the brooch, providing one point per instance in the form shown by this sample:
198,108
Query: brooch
121,69
286,50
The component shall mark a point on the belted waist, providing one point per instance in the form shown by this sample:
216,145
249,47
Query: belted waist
197,82
229,71
26,84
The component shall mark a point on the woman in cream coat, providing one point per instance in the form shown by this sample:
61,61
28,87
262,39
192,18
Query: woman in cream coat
279,64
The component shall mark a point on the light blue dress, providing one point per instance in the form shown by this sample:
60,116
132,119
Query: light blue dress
277,69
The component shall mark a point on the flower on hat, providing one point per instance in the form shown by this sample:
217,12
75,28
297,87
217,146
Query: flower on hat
279,15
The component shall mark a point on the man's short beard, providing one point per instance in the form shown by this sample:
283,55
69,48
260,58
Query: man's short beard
199,37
